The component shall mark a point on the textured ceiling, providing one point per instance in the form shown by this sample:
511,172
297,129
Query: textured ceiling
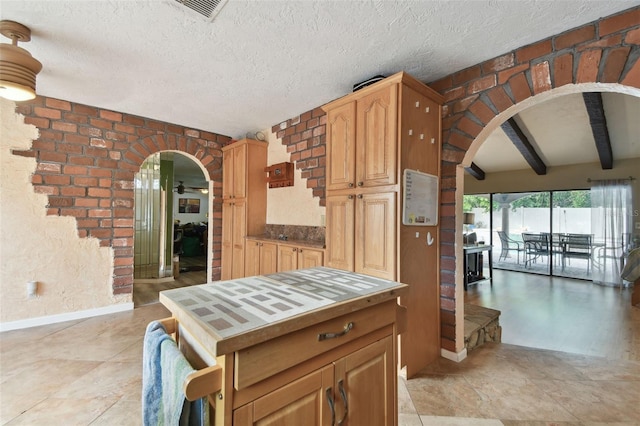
261,62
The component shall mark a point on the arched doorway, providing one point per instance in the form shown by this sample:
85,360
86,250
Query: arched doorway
497,120
171,226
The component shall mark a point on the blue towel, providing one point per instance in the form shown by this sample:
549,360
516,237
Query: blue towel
176,409
152,372
164,370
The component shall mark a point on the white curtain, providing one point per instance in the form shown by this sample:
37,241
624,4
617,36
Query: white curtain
611,212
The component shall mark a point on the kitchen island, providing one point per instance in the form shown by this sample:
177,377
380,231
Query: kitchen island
311,346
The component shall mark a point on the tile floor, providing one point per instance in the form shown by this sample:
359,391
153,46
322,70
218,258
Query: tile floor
89,372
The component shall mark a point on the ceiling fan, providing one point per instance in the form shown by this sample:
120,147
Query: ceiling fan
181,189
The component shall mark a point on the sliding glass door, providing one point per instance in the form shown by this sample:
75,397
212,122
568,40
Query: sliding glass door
547,232
522,232
576,247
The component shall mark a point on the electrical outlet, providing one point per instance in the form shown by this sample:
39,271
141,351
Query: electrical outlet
637,225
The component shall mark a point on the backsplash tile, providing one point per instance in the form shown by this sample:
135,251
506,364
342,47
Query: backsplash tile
296,232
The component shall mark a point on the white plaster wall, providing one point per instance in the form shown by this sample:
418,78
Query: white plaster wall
293,205
73,274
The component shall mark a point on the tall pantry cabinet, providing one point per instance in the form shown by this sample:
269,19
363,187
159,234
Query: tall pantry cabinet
373,135
244,201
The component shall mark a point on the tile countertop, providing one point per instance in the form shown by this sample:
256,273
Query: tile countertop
291,242
227,316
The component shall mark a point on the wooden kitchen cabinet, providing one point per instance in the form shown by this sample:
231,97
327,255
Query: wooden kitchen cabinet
244,201
363,149
292,257
234,228
303,402
362,228
260,258
373,136
356,390
329,356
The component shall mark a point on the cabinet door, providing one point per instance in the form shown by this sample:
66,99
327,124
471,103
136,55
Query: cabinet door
227,240
251,258
309,258
365,386
239,232
375,236
227,174
268,258
376,150
287,258
303,402
340,231
240,171
341,147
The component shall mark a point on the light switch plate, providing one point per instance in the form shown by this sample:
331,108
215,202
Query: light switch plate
637,225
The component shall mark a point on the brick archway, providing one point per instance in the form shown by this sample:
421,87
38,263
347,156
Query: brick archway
210,163
602,55
86,161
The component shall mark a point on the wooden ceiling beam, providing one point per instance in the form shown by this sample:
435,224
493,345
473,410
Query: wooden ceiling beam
595,109
523,145
475,171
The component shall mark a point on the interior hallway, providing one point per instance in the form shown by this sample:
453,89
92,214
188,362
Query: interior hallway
89,371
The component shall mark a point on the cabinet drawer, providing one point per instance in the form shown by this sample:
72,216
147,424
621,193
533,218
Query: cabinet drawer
274,356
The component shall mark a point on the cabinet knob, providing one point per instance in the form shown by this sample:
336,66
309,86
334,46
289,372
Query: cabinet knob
360,196
360,183
350,184
294,249
299,250
350,197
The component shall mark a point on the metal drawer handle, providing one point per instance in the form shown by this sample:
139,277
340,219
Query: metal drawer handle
325,336
343,394
333,409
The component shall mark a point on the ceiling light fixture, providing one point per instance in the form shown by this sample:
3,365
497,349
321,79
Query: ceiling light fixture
18,68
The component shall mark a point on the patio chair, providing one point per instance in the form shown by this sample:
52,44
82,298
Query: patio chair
535,247
508,245
613,250
577,246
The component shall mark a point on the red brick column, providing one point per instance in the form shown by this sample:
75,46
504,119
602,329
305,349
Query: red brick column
86,161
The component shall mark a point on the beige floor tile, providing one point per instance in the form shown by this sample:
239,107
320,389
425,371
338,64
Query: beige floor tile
405,419
597,401
517,399
457,421
42,379
131,354
405,404
123,412
117,380
440,395
63,412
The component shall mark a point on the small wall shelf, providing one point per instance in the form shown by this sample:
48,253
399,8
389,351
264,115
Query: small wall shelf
280,175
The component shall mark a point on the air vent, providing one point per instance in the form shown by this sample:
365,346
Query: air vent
207,8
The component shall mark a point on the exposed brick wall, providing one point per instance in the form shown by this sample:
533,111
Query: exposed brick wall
605,51
86,161
305,139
